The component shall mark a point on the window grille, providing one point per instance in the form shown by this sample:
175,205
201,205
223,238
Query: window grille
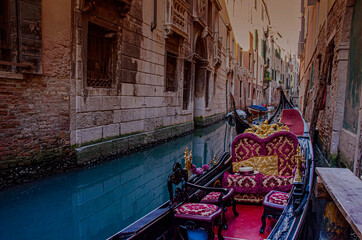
99,57
186,88
171,72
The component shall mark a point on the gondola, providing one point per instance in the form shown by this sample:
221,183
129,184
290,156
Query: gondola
258,110
240,124
287,214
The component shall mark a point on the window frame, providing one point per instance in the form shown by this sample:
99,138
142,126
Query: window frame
24,40
112,49
170,55
6,29
108,27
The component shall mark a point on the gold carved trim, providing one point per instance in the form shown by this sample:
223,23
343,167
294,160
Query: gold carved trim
266,129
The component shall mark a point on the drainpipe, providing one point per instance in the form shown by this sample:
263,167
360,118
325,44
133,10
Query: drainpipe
154,22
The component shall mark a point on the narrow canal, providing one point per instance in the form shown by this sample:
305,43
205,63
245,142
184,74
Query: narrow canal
98,202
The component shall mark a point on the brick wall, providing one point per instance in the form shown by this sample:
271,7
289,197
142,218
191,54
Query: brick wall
44,116
336,28
34,109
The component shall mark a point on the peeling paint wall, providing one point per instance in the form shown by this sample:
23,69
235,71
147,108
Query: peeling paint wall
35,113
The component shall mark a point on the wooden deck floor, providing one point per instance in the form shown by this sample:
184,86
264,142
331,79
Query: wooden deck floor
345,189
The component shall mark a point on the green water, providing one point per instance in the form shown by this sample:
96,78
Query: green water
98,202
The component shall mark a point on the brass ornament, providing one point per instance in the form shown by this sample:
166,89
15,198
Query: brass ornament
188,160
298,171
266,129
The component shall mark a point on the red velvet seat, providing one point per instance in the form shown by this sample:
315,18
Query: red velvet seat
274,204
253,188
227,200
293,120
278,198
198,211
213,197
193,215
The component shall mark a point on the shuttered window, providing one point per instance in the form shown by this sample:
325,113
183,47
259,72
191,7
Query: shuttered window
207,89
4,33
187,85
171,72
21,36
101,44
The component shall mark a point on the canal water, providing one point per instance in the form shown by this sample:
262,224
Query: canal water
98,202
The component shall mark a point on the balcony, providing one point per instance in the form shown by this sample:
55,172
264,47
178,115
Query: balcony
124,6
175,18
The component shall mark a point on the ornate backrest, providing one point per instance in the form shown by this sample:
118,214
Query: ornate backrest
283,144
266,129
177,176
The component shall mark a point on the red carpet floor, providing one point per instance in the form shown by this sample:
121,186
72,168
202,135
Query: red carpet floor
247,224
293,120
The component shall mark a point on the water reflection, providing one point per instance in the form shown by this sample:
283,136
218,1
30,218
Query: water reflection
98,202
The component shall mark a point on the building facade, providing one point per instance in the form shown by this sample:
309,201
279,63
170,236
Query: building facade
330,86
262,62
250,60
121,73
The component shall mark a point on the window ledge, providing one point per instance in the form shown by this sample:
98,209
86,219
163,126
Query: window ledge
11,75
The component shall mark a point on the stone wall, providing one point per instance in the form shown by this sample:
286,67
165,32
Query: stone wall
138,100
45,116
334,36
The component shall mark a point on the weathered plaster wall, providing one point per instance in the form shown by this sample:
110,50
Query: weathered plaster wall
44,116
34,109
347,146
333,29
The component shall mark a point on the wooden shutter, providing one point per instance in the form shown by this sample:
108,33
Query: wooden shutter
4,31
30,37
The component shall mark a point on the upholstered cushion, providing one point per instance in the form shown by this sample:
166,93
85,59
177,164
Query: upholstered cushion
280,198
283,144
242,184
286,150
267,165
201,209
280,183
211,196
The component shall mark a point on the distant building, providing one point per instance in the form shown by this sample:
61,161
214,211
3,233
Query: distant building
252,20
330,81
262,64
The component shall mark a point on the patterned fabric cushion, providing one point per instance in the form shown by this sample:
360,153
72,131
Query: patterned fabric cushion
280,198
201,209
279,183
242,184
211,196
283,144
267,165
286,149
249,197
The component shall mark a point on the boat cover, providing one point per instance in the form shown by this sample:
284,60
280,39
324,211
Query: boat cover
259,107
293,120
